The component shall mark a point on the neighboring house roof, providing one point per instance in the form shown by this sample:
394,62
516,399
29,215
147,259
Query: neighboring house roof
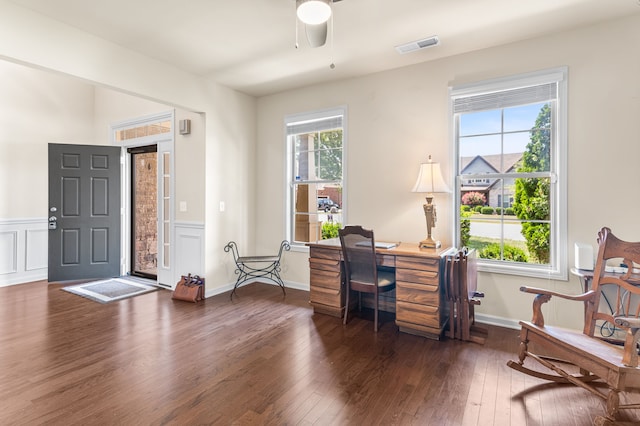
490,163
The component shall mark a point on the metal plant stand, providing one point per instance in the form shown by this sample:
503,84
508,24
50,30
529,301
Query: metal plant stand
249,267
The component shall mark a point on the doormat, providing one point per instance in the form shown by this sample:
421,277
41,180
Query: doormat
111,290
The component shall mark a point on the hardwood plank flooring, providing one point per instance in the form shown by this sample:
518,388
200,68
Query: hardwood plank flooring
259,359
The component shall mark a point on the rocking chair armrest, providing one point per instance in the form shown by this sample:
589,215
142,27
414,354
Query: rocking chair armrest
543,296
627,322
579,297
632,336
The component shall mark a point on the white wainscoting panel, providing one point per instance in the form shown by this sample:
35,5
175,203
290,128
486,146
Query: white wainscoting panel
23,250
8,252
189,248
36,240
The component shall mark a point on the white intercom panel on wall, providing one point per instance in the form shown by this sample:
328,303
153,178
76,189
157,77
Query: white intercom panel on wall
185,126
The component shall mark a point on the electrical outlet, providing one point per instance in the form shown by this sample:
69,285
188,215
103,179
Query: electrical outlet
222,206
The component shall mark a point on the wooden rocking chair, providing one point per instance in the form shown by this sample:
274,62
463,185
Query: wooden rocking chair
611,305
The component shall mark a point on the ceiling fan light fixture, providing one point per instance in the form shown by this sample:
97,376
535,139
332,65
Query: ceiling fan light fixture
418,44
316,34
313,12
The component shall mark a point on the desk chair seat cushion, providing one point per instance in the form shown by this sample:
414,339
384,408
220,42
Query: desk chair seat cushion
385,279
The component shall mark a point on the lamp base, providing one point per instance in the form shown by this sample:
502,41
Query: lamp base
429,243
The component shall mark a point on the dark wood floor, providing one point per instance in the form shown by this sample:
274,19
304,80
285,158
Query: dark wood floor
259,359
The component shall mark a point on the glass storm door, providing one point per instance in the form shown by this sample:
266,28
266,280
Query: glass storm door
144,211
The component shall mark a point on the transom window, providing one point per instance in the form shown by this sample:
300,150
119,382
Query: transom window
315,178
510,144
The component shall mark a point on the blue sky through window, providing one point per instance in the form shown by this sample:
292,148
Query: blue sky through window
480,132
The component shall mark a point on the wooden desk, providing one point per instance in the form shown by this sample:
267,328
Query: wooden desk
418,300
586,276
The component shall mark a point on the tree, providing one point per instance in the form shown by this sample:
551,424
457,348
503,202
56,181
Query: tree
328,154
531,202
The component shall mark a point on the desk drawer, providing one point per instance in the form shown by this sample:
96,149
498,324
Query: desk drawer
330,297
324,264
420,263
326,279
413,313
417,293
386,260
320,253
416,276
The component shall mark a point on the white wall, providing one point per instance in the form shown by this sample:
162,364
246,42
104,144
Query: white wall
397,118
36,108
113,107
37,41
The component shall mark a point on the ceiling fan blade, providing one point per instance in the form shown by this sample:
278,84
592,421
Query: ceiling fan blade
316,34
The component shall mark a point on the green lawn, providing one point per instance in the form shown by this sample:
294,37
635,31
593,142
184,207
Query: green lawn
479,243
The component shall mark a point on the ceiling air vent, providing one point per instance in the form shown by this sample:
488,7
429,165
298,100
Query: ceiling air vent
418,44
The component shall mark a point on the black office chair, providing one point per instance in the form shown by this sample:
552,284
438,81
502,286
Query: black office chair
361,271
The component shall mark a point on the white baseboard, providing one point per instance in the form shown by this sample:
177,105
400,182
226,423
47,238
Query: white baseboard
229,287
499,321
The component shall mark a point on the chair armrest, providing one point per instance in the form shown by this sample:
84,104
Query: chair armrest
543,296
632,335
628,322
579,297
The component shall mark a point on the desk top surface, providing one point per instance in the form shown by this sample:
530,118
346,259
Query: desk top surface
587,275
402,249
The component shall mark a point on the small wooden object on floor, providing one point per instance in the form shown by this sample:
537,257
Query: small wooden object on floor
460,290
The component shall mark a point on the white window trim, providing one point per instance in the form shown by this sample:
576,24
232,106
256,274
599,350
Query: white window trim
308,116
559,249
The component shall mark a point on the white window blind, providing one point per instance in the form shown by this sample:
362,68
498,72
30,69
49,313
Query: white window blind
505,98
323,124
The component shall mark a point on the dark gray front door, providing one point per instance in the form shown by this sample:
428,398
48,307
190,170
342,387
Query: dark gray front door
84,212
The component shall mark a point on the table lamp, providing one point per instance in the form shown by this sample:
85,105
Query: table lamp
430,181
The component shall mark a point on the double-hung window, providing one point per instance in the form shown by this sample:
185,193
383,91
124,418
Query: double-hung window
510,192
315,175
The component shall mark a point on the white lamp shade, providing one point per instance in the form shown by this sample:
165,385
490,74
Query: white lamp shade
430,179
313,12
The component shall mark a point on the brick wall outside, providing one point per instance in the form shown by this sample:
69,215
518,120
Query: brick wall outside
332,192
146,213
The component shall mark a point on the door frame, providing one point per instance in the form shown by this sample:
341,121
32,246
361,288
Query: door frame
165,143
131,153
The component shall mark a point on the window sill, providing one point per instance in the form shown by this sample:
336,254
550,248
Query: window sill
523,270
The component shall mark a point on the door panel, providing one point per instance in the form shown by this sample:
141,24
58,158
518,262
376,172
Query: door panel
84,212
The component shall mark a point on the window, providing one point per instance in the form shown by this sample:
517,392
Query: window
315,178
510,144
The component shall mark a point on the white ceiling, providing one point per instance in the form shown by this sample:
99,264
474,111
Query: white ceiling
249,45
